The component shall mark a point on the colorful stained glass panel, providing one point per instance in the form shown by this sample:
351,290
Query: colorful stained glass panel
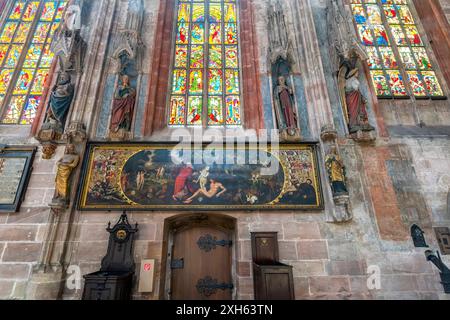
13,56
407,58
184,12
49,10
41,32
8,32
177,110
39,81
198,33
24,81
233,106
215,81
14,110
231,57
179,81
181,56
196,81
215,57
29,113
194,116
17,10
374,14
22,32
5,79
365,35
391,14
389,60
396,82
422,58
359,14
415,80
413,36
47,57
182,34
232,81
197,56
374,60
215,111
215,33
230,33
380,83
432,84
30,11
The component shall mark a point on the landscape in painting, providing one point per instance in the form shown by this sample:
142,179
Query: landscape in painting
160,177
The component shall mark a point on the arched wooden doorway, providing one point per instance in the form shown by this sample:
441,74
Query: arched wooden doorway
199,259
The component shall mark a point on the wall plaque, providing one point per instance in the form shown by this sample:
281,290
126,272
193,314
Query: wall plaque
167,177
15,169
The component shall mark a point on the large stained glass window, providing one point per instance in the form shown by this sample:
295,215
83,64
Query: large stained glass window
25,57
398,61
205,88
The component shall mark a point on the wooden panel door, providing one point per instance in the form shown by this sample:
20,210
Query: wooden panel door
205,271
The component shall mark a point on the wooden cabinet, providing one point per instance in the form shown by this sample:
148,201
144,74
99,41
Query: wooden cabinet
272,279
273,282
108,286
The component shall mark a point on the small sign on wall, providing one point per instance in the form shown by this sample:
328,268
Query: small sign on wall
147,275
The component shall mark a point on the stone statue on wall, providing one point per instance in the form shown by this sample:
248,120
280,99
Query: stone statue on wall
61,99
354,101
65,165
285,105
123,106
336,172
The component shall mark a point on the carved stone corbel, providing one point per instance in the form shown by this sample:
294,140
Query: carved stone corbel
75,132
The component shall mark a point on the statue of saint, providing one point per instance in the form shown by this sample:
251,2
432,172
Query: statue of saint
123,106
336,172
358,119
285,106
60,100
65,167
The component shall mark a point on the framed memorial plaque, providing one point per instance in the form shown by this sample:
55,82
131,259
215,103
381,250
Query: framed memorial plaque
169,177
15,170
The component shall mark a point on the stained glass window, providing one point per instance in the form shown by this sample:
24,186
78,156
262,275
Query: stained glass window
398,60
205,89
25,57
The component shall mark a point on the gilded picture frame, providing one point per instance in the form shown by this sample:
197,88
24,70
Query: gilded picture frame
162,176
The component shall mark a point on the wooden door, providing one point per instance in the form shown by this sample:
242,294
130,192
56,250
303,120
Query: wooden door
201,265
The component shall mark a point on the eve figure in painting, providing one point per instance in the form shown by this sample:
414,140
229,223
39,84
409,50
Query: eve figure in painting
123,106
336,172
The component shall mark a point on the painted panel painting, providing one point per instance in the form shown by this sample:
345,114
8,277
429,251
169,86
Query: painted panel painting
170,177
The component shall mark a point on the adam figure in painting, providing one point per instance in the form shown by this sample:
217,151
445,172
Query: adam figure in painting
213,191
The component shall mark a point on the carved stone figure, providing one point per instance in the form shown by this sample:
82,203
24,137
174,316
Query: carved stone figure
355,103
284,105
66,165
336,172
61,99
123,106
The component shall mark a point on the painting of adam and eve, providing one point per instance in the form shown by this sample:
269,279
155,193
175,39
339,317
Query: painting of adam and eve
147,178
